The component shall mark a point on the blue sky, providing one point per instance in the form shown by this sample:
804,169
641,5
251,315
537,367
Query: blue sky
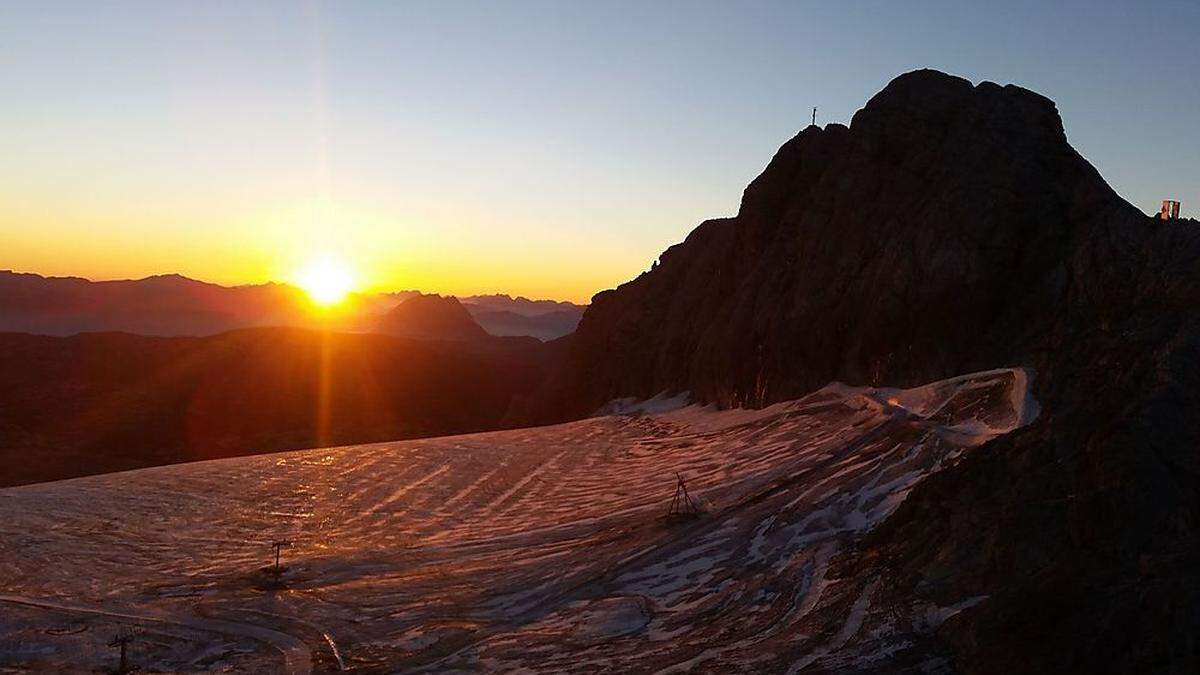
547,148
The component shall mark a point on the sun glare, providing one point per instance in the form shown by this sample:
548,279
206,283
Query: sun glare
326,281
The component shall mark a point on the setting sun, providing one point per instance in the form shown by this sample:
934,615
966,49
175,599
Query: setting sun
326,281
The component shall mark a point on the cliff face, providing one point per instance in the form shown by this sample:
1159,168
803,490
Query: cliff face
930,238
951,228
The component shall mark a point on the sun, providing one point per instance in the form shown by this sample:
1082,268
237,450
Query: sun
326,281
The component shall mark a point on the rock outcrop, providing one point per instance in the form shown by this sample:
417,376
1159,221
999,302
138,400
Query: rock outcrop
951,228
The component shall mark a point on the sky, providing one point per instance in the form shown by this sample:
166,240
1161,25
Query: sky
549,149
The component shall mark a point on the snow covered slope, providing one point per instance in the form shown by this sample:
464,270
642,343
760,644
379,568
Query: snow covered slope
543,549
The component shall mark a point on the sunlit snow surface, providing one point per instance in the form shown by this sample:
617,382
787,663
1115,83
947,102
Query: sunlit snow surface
539,549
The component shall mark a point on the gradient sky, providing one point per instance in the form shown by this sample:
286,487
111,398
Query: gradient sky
551,149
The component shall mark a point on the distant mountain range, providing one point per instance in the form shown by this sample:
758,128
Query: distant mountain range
173,305
518,305
506,315
158,305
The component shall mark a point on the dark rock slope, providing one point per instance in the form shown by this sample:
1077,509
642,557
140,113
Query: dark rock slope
102,402
952,228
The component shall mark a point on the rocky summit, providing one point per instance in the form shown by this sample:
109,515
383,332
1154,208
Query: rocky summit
951,228
431,317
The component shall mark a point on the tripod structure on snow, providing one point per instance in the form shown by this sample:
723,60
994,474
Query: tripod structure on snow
683,507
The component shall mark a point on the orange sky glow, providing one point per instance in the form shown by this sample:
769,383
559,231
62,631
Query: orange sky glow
379,251
462,149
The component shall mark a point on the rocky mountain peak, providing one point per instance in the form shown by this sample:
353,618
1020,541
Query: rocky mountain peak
951,229
431,317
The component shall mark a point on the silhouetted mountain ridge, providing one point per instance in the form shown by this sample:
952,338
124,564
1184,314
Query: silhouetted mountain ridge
168,304
175,305
431,317
518,305
951,228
